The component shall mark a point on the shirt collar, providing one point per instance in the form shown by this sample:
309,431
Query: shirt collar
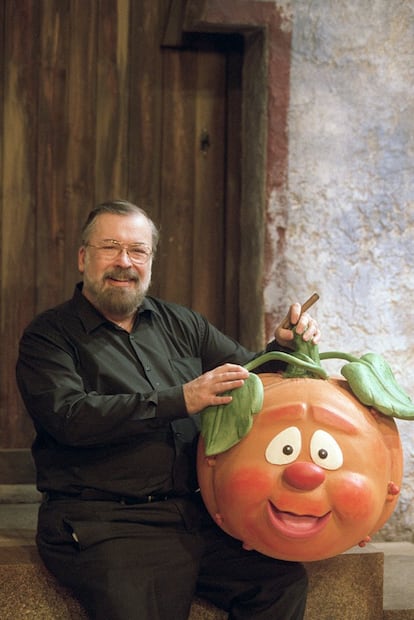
91,317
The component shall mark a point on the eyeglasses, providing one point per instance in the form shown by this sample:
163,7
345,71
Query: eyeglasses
139,253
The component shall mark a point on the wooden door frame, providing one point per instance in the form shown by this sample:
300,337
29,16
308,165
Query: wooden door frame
265,99
184,20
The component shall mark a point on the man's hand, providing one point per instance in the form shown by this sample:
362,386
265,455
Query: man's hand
304,323
208,388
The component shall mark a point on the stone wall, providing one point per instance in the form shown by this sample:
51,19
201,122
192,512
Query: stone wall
345,219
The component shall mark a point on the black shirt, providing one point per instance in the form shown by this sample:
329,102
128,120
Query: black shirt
108,405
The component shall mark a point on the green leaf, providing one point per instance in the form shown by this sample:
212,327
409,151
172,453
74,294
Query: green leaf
373,383
223,426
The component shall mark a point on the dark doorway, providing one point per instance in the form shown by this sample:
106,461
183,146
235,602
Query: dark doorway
199,208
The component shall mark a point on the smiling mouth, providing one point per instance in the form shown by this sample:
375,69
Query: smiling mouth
121,281
293,525
121,276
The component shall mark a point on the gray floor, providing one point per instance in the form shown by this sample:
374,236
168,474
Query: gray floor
398,574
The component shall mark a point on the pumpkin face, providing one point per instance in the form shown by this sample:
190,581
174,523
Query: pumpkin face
317,473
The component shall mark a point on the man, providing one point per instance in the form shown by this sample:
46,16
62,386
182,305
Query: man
113,379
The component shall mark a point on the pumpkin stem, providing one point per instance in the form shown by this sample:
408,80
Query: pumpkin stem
303,362
308,352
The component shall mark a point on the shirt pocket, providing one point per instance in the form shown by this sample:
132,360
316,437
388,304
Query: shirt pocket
186,368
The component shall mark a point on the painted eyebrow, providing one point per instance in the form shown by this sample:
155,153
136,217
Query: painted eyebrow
329,417
292,411
334,418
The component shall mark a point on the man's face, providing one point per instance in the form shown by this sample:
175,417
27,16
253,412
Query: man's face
116,285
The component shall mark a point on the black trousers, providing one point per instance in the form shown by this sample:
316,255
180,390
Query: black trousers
147,561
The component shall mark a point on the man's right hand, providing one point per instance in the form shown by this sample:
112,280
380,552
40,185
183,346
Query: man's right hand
208,389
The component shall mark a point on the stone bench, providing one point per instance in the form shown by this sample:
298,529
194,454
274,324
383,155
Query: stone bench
347,587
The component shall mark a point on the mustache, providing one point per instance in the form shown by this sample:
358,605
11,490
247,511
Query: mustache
118,273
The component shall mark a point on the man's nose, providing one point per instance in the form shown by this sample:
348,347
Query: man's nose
123,257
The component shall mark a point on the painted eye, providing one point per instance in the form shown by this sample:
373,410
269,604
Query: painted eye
325,451
284,447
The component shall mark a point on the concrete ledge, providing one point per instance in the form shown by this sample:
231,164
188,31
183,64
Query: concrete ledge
19,494
37,595
347,587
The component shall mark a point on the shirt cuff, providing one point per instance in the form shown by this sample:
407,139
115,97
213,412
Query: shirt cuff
171,403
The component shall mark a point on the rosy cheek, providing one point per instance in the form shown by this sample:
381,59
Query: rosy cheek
247,484
353,497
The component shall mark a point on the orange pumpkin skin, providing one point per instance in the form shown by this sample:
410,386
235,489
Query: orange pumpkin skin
317,474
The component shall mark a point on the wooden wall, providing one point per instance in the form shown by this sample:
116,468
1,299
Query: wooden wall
161,102
92,107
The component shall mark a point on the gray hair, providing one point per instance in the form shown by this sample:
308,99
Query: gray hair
118,207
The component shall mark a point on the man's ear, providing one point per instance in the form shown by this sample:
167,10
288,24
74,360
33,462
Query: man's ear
81,259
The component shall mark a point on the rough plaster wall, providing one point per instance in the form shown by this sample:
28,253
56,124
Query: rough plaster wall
349,222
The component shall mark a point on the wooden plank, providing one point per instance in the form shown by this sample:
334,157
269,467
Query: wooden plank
112,100
2,79
3,295
252,224
53,131
232,246
147,23
209,197
174,263
173,33
81,114
18,281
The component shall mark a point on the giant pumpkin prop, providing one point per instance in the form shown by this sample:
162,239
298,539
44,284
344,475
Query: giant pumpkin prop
301,466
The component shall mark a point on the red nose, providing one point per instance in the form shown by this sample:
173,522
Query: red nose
304,476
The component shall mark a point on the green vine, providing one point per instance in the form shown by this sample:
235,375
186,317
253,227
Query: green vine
370,378
304,361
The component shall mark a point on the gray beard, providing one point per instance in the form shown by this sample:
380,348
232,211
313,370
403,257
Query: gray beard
119,302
